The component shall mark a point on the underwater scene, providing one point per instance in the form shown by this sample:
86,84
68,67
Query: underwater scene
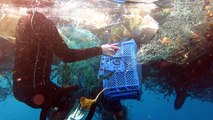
106,59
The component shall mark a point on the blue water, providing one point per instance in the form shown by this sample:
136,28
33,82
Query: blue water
11,109
153,107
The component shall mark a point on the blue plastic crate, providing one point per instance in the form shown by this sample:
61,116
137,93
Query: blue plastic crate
120,73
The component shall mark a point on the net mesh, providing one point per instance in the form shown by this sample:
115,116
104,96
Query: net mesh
182,37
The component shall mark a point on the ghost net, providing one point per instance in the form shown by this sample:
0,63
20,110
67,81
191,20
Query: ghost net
182,37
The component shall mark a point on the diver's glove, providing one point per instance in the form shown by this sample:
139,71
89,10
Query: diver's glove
109,49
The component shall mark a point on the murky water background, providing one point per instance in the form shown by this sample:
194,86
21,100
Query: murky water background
175,48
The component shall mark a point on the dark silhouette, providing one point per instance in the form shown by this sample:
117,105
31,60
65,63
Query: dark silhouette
190,79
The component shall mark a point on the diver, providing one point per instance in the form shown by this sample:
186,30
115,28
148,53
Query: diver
37,40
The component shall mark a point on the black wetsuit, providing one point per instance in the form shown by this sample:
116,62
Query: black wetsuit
37,39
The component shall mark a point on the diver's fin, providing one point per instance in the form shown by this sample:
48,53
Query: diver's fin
91,112
77,113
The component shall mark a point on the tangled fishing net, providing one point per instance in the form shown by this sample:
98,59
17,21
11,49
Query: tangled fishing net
182,38
68,73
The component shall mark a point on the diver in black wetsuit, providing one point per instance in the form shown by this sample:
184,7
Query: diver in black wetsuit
37,40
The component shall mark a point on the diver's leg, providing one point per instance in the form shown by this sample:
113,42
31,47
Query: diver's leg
43,113
60,100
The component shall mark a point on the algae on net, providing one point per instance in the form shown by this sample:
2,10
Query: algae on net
186,29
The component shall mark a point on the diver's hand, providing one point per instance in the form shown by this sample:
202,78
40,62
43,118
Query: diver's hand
109,49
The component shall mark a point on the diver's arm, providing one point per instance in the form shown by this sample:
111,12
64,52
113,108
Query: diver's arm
59,47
